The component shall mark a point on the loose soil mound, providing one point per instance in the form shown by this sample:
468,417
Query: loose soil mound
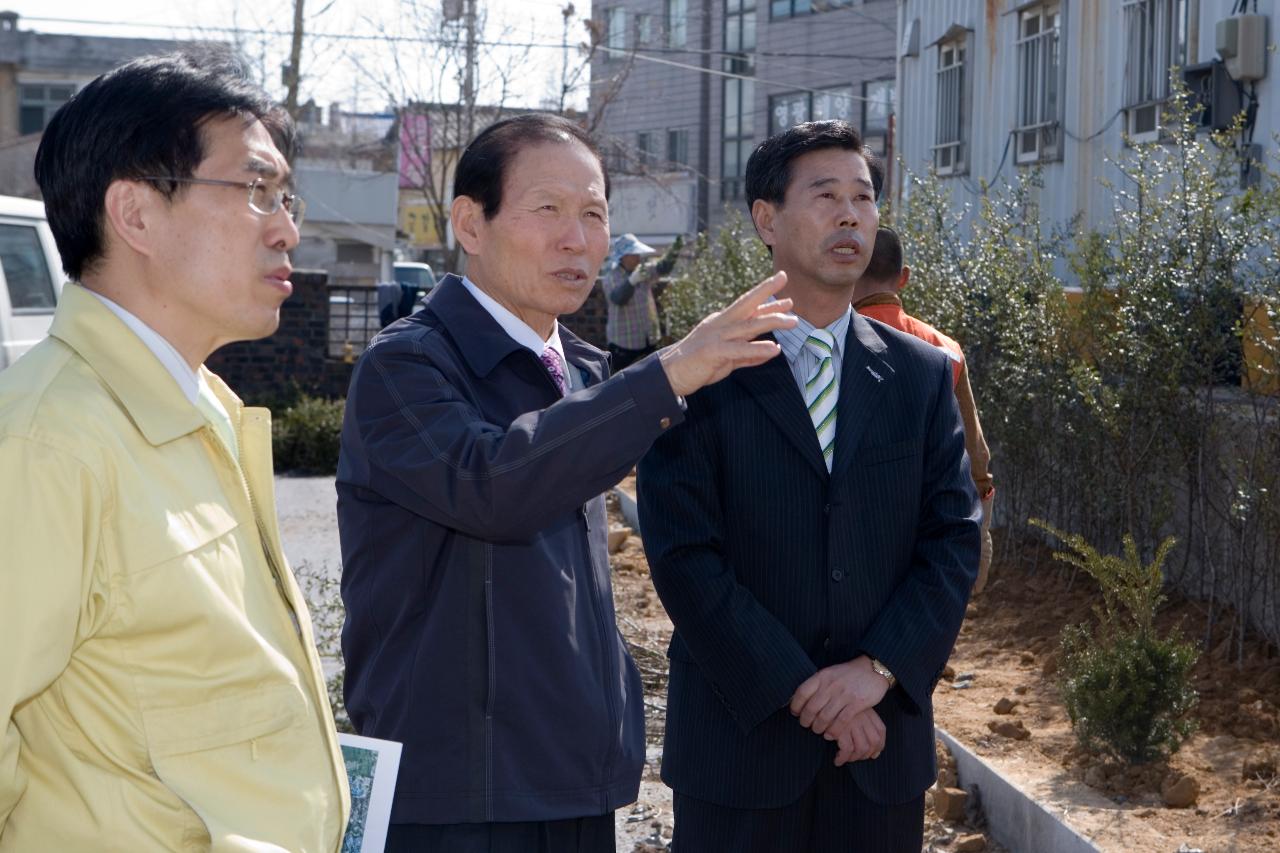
1224,780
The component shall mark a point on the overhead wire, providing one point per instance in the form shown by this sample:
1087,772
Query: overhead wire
716,72
416,39
653,54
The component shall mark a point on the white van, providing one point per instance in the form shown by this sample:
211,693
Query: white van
415,274
31,277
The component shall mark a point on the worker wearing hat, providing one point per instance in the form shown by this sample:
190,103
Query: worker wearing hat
633,328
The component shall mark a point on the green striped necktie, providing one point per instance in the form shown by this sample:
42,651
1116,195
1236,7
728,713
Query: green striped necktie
821,390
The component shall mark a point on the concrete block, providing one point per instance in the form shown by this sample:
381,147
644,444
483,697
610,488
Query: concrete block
627,503
1014,819
949,803
617,536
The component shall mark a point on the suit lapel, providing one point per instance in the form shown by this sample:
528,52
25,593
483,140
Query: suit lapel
774,387
864,376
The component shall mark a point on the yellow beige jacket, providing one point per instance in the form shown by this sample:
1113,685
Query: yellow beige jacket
158,675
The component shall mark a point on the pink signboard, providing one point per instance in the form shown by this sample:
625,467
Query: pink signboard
415,149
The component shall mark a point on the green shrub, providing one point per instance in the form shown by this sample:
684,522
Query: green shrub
322,589
1128,694
1118,407
720,270
305,436
1127,688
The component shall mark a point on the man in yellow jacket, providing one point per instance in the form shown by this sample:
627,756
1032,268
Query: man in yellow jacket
159,685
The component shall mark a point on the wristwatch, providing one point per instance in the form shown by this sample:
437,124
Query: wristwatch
881,669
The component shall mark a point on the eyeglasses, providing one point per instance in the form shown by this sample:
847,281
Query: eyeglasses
264,198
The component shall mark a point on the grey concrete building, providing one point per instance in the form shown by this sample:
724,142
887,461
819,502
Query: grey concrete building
992,87
690,87
39,72
350,226
346,173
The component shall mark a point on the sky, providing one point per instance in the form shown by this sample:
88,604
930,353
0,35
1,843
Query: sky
366,54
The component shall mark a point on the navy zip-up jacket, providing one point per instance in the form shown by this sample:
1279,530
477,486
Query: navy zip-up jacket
480,628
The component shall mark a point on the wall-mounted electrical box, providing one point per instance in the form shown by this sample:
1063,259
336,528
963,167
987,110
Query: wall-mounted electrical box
910,39
1241,41
1213,93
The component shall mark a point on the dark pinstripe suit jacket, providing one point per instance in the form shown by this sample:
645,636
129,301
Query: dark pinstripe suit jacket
771,568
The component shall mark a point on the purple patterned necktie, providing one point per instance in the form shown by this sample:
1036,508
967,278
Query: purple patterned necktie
551,361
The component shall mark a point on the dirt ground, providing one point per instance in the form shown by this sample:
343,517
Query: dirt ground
1006,650
1008,645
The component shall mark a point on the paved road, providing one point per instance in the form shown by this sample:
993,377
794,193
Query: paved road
309,521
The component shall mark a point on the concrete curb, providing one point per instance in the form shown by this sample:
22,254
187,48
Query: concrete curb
1014,819
627,503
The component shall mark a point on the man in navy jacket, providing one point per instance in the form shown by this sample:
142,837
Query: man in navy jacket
813,532
478,438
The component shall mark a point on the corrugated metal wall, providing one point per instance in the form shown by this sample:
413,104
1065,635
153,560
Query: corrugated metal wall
1093,36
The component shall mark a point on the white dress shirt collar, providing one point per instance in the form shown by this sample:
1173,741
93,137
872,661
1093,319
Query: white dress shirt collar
188,380
518,329
193,386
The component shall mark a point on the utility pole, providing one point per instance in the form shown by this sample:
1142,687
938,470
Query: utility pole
469,72
294,69
567,14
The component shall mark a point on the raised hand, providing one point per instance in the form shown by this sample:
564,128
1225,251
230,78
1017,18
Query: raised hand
726,340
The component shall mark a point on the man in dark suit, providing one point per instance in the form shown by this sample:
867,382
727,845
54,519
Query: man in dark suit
479,435
812,530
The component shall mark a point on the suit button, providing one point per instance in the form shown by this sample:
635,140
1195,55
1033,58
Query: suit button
837,575
826,509
826,644
665,423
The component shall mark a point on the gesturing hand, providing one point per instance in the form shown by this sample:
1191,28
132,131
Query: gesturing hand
725,340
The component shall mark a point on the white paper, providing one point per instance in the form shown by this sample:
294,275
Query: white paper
372,766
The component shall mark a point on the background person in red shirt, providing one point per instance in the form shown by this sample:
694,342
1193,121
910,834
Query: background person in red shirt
876,296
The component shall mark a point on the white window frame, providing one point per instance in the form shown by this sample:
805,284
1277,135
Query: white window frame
951,129
677,20
1154,41
644,29
737,135
646,156
615,30
1038,111
677,148
878,99
48,105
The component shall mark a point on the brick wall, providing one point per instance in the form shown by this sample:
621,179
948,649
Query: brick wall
293,360
588,321
274,370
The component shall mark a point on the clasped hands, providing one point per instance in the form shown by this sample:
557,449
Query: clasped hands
838,702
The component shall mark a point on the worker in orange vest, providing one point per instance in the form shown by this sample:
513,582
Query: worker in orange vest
876,296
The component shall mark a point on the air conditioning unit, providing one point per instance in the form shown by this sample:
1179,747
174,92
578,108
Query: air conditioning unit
1214,93
1242,42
